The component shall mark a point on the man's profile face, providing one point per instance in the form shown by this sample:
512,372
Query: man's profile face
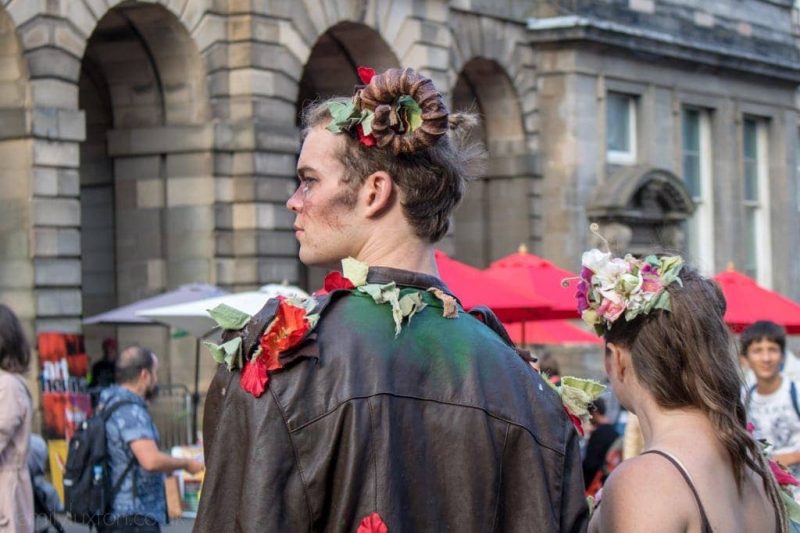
325,225
765,358
151,390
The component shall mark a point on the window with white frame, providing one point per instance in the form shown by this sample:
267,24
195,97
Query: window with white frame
621,128
696,160
756,200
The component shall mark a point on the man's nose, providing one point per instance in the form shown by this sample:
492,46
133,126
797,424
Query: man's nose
294,203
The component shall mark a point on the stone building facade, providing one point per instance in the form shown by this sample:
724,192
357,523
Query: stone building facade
148,144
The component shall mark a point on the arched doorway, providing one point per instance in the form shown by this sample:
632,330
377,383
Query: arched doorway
493,219
146,186
331,71
16,267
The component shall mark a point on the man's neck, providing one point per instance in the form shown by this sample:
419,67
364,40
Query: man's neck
133,388
768,386
407,254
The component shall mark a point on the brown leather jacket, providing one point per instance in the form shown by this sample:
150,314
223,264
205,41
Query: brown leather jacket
442,428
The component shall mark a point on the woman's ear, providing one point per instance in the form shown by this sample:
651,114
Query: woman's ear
618,361
377,193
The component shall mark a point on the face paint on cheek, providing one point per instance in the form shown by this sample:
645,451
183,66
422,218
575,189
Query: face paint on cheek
342,203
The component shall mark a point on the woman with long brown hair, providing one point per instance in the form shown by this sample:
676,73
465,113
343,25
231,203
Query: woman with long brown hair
671,360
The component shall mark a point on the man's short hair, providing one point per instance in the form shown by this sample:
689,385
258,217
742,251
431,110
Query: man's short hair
131,362
763,330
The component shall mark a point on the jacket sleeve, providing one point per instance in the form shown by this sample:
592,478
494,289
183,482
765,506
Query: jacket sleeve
574,508
252,480
213,405
12,415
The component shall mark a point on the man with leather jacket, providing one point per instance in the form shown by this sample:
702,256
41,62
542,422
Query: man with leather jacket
380,405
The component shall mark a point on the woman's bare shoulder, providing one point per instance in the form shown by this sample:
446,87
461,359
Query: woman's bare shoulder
645,493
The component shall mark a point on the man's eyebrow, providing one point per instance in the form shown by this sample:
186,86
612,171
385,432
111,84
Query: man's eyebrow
302,170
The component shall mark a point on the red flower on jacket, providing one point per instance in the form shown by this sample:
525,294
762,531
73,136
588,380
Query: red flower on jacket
254,377
365,74
372,524
335,280
575,421
286,330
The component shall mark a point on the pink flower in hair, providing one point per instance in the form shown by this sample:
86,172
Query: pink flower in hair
611,310
651,281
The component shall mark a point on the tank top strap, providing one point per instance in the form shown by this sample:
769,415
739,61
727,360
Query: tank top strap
706,525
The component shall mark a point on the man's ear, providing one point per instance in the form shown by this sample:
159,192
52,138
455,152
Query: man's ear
377,193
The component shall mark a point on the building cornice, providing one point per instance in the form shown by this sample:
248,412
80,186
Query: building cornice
572,28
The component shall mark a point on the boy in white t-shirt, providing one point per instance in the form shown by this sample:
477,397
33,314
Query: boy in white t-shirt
772,403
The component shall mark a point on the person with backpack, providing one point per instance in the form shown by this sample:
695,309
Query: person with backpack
139,504
772,404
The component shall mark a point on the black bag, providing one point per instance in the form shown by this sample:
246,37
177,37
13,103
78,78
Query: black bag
88,490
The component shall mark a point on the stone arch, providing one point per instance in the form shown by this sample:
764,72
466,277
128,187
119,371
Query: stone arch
54,39
331,66
641,209
493,76
409,31
493,220
146,166
16,268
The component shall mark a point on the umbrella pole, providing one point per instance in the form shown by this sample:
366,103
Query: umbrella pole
524,325
196,394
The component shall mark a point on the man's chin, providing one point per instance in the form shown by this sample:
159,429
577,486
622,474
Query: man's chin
766,376
314,260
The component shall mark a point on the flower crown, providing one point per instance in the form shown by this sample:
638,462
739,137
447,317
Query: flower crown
398,109
611,288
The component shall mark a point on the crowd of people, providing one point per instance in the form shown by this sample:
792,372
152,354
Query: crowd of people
379,404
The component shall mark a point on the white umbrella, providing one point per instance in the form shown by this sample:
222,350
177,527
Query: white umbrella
128,314
193,317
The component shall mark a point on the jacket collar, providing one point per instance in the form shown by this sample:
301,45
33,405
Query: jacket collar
406,278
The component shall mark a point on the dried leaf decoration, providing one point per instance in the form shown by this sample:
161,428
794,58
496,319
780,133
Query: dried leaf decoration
227,317
576,395
355,271
407,306
372,524
449,302
229,352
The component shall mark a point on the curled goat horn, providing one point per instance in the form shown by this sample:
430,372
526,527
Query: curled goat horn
381,93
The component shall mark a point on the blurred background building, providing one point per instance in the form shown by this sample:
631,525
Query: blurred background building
148,144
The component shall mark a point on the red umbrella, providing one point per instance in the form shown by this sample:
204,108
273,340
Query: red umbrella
536,277
474,287
748,302
550,332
